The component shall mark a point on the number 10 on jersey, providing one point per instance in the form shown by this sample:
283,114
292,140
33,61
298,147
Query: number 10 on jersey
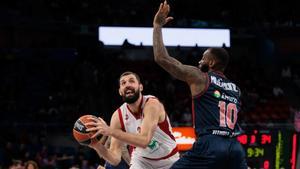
228,114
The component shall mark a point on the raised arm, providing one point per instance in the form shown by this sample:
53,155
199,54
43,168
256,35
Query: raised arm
180,71
190,74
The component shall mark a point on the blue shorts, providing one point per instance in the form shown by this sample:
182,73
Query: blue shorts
121,165
213,152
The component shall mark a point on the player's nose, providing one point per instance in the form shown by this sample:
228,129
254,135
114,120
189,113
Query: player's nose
128,86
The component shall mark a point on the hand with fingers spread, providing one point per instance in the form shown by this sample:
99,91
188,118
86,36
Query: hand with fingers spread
161,17
99,126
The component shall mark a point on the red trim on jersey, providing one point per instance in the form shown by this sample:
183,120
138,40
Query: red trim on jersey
137,115
206,87
121,119
150,98
145,103
173,152
164,126
219,73
193,113
130,150
197,96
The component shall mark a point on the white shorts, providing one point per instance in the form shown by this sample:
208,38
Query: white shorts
138,162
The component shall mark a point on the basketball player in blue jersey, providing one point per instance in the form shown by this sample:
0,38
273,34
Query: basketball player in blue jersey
216,104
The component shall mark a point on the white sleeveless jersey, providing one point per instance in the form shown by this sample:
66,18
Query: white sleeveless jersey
162,145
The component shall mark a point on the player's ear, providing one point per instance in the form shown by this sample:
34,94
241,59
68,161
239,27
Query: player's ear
141,87
211,63
120,93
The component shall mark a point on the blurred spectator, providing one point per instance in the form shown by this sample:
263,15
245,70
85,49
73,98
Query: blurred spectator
286,72
296,119
100,167
186,117
17,164
31,165
277,91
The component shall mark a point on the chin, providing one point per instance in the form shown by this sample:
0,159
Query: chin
131,99
204,68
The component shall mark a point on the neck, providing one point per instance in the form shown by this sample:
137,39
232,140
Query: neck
216,70
135,107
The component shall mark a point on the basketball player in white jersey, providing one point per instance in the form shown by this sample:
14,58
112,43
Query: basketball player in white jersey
140,122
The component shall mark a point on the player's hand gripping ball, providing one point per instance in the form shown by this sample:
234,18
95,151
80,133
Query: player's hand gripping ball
82,136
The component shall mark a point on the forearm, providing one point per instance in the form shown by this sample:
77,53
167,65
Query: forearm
109,156
161,56
159,49
132,139
125,155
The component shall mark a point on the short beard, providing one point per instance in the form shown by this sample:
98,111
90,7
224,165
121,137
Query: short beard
204,68
132,99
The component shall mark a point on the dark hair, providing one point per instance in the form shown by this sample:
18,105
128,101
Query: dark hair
16,162
130,73
221,56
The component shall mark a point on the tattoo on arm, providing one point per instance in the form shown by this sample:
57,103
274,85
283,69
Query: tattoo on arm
174,67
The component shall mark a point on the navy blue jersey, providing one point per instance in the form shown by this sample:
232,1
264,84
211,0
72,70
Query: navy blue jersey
217,107
121,165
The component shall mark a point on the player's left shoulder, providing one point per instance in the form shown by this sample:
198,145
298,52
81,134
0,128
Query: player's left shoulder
152,101
154,108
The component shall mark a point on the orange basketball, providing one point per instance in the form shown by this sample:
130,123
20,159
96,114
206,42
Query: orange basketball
80,133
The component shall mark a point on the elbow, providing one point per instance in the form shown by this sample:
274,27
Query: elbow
158,59
115,163
144,146
145,143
